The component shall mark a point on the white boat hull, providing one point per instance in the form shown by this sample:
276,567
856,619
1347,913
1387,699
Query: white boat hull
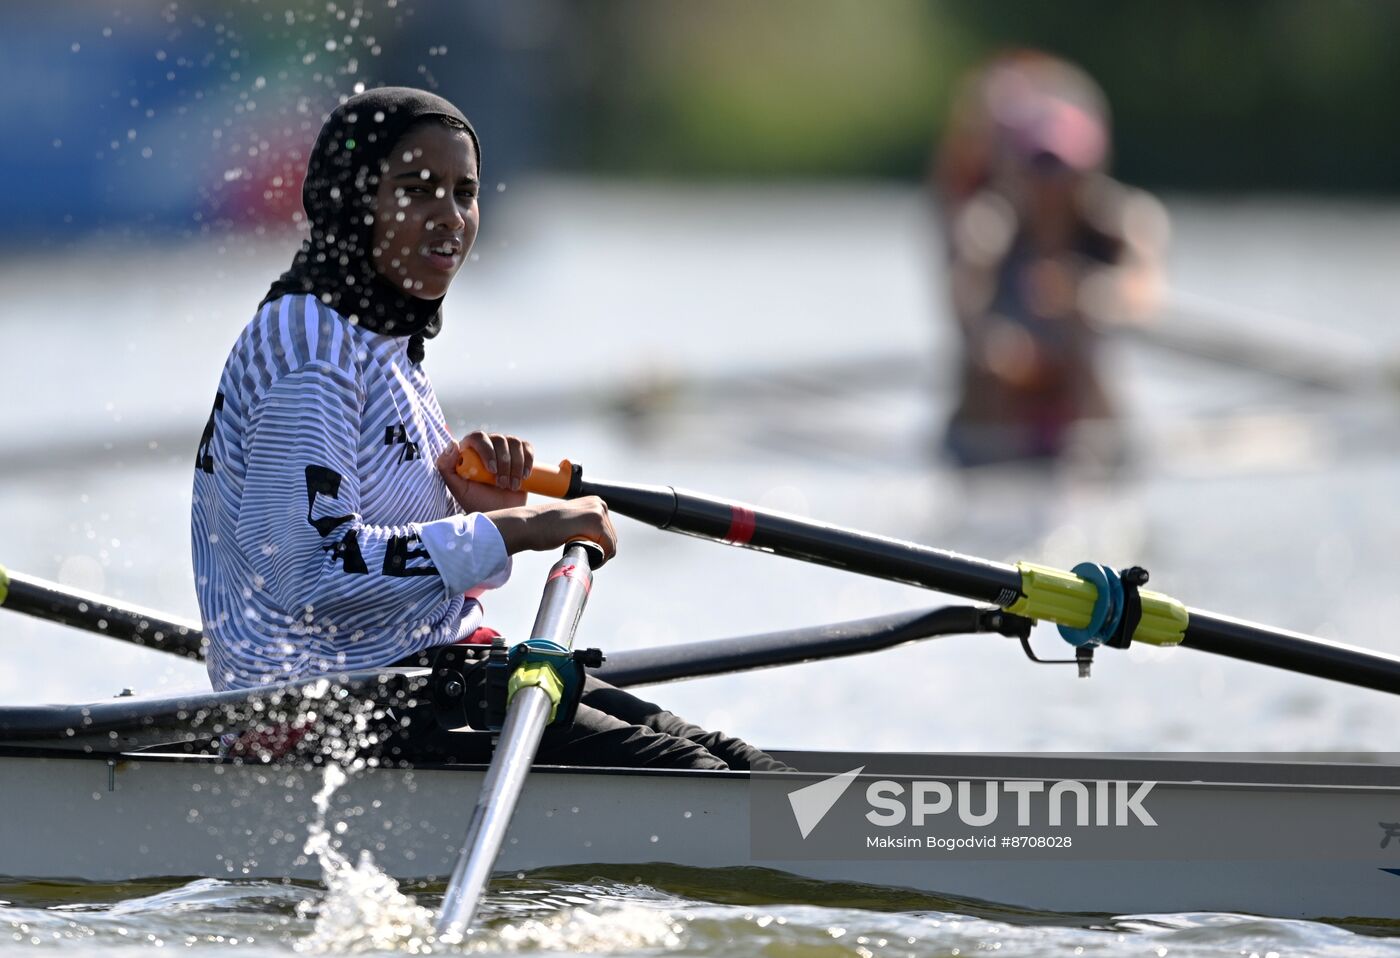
95,818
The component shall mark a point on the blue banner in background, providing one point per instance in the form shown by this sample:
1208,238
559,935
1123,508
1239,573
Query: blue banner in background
102,133
162,119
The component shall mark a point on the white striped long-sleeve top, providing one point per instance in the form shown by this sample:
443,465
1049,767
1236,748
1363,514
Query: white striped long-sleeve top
323,538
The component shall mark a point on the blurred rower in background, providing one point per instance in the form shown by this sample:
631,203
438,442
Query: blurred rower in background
1046,252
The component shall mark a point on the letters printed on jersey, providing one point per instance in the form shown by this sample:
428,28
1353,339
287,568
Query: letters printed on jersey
323,537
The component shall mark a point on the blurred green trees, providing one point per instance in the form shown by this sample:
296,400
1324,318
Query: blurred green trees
1239,95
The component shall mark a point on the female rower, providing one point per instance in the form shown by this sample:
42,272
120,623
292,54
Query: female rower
330,530
1045,254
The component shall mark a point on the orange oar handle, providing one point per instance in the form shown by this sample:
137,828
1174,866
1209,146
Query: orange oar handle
544,479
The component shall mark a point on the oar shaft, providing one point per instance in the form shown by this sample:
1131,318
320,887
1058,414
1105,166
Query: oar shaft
95,613
495,807
971,578
1295,652
737,524
1032,591
690,660
527,715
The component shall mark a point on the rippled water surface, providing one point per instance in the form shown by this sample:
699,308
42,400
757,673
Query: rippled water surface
1251,497
647,910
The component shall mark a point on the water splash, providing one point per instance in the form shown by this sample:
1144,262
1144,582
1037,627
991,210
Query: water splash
576,931
363,908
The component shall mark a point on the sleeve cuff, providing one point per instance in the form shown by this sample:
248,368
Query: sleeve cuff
469,553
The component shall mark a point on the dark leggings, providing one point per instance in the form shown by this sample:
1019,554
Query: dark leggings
615,727
612,728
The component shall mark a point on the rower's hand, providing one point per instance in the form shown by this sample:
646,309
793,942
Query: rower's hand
509,458
548,526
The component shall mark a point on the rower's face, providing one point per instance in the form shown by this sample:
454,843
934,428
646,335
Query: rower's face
426,214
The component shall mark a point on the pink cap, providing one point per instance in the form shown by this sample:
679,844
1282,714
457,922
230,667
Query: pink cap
1035,122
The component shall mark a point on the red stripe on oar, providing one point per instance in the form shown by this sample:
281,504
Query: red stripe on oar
572,572
741,525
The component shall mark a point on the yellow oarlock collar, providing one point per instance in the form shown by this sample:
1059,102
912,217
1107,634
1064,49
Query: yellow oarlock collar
1065,599
540,675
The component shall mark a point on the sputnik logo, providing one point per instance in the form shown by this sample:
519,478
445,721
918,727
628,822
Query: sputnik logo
811,802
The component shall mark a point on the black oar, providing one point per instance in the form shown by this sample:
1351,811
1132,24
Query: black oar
103,615
129,623
1036,592
689,660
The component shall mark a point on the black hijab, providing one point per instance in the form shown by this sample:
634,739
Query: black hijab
342,177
